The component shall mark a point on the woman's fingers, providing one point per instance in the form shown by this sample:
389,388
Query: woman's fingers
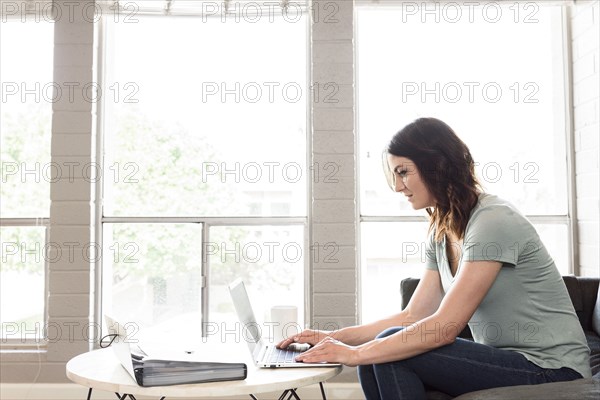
307,336
285,343
328,350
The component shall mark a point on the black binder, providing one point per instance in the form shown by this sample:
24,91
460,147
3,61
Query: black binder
167,367
159,372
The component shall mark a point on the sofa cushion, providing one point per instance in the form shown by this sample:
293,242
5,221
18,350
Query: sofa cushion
572,284
583,293
580,389
596,314
593,342
435,395
589,296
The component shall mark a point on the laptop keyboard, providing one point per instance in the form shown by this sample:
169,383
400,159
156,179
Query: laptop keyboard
279,356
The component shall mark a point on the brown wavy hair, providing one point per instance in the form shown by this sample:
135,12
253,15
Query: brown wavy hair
447,169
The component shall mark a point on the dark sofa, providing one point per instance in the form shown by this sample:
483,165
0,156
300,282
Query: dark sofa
586,301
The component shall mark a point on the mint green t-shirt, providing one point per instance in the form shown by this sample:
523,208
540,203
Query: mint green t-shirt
527,308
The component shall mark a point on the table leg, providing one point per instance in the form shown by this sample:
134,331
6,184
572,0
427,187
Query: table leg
292,394
322,391
125,395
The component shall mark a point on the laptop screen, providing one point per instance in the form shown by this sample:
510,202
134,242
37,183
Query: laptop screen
120,345
250,328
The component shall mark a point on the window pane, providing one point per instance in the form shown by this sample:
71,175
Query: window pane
26,53
152,277
211,125
555,238
499,84
270,260
22,282
391,251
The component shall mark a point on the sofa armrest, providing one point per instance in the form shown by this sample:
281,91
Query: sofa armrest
583,292
407,288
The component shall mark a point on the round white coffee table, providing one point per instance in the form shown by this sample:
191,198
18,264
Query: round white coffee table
100,369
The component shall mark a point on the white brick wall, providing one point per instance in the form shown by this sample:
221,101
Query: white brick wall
70,211
585,22
333,208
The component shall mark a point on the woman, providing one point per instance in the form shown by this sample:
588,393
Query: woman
485,267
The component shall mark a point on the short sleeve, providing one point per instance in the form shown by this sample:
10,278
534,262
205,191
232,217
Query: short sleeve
495,233
431,252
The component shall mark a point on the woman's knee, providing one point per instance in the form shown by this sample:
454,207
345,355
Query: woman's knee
389,332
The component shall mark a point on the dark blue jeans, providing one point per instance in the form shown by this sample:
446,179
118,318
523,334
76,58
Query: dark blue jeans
461,367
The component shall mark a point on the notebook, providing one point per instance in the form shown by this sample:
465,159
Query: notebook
264,355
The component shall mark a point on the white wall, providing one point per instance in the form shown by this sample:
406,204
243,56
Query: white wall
333,209
585,33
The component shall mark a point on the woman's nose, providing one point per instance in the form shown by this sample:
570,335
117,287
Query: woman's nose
400,185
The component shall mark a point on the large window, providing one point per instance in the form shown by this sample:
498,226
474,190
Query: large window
495,74
204,138
26,52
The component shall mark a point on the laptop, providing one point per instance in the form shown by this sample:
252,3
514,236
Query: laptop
264,355
120,344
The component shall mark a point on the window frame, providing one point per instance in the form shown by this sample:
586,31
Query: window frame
569,219
207,222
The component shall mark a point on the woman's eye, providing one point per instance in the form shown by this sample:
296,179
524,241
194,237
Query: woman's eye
401,173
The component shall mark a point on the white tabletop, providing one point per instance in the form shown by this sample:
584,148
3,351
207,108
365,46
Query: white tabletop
100,369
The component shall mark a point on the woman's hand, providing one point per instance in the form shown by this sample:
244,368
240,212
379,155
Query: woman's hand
331,350
309,336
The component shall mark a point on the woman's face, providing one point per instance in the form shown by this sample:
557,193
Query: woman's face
408,182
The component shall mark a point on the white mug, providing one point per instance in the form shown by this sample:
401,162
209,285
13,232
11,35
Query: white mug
285,322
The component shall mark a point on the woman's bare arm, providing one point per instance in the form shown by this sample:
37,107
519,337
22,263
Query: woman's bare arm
424,302
438,329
